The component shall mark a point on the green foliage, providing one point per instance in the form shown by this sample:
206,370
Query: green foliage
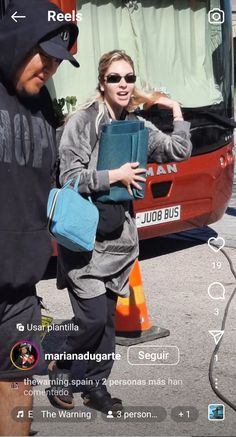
59,107
71,100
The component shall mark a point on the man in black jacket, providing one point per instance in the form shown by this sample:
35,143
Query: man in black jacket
31,51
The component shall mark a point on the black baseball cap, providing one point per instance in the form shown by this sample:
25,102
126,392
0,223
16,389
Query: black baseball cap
57,46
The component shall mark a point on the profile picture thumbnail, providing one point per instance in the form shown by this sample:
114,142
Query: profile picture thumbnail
24,355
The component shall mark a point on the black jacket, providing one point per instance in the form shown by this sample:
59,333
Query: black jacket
27,150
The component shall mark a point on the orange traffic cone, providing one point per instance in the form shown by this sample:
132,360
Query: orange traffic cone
132,321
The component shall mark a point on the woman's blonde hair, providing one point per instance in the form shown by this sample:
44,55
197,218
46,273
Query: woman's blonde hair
138,97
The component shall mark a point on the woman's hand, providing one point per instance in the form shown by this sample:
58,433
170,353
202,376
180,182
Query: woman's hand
129,175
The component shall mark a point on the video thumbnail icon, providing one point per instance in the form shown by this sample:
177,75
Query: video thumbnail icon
216,412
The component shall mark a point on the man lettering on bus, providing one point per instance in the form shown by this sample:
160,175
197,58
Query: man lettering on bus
31,51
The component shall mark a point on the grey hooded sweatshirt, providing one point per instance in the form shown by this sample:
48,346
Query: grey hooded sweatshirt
110,263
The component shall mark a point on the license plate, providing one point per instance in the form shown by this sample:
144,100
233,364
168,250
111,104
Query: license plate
158,216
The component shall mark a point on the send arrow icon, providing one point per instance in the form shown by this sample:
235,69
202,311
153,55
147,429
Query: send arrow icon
217,335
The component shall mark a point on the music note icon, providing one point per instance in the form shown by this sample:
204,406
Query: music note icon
20,414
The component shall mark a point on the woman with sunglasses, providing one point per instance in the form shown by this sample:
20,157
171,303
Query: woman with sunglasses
94,280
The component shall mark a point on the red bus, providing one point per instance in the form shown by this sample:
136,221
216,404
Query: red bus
186,51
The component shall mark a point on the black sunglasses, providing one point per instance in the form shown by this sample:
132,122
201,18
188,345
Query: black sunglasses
116,78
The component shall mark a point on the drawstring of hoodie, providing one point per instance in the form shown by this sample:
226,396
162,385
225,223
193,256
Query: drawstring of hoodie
22,131
53,151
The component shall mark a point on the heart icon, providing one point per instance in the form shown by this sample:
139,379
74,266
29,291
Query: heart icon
216,243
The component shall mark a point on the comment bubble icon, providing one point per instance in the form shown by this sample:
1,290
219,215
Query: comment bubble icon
216,291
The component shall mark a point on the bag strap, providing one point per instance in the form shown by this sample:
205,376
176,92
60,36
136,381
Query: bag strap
76,184
134,148
66,184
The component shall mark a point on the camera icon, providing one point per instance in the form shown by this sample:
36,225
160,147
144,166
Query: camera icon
216,16
20,327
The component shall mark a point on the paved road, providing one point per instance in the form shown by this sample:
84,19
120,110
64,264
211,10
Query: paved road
176,275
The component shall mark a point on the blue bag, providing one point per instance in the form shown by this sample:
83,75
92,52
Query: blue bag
72,219
122,141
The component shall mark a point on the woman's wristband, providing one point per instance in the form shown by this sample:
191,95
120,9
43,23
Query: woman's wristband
177,113
178,118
